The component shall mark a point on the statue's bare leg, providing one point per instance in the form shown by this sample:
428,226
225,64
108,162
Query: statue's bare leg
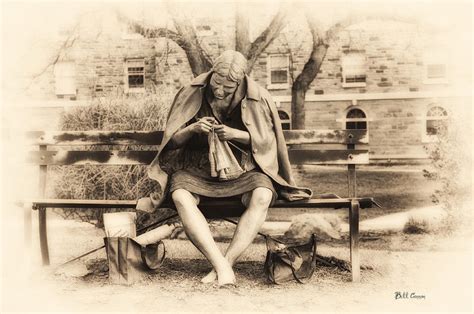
247,228
197,229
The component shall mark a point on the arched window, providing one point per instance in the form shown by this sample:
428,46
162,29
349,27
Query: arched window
356,119
436,120
285,119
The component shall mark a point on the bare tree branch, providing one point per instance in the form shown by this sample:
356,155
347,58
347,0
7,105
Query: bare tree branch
149,31
356,19
267,36
185,37
68,43
242,33
197,57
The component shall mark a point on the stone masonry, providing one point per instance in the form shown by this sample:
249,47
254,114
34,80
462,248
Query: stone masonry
394,54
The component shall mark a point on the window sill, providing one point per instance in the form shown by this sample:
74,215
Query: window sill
277,86
436,81
349,85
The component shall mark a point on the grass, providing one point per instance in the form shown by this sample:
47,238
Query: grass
392,188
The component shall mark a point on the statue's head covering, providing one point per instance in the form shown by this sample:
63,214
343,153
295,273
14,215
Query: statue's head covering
232,65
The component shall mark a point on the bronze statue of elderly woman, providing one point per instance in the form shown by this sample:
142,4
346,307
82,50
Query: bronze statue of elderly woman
223,138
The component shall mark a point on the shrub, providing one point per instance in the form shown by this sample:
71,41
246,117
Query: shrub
115,111
451,166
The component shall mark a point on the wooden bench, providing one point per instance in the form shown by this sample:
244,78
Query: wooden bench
304,148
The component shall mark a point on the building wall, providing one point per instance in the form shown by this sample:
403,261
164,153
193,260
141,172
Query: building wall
397,127
394,65
100,66
394,52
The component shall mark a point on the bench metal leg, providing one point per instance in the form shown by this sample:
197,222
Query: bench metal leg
43,233
354,232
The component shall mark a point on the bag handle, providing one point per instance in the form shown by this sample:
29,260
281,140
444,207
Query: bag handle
292,267
143,252
313,260
313,263
293,270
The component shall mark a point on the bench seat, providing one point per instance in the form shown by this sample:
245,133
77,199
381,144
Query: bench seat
229,204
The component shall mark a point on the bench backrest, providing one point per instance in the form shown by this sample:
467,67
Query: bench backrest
330,147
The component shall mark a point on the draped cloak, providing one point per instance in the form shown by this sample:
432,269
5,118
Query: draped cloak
260,117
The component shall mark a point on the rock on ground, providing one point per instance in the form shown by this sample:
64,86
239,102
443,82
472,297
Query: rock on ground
325,226
74,269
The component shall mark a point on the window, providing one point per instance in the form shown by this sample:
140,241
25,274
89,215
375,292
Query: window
435,69
65,79
285,120
135,75
356,120
436,121
278,76
353,70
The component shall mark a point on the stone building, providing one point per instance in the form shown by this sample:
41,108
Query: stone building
391,78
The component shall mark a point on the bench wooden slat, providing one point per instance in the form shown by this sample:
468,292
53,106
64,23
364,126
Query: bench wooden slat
292,137
214,204
113,157
91,157
329,157
73,138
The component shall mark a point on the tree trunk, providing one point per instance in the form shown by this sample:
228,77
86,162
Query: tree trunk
298,94
266,38
199,61
242,35
302,82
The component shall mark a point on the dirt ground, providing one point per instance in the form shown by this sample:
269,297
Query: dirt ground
435,271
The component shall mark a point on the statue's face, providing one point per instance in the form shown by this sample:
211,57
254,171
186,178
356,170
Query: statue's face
221,86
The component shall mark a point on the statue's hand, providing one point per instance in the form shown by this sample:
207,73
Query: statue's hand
203,125
145,204
225,133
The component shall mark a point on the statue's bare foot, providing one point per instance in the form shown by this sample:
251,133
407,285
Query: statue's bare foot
225,274
226,279
211,277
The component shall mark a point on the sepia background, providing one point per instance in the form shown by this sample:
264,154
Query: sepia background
401,70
